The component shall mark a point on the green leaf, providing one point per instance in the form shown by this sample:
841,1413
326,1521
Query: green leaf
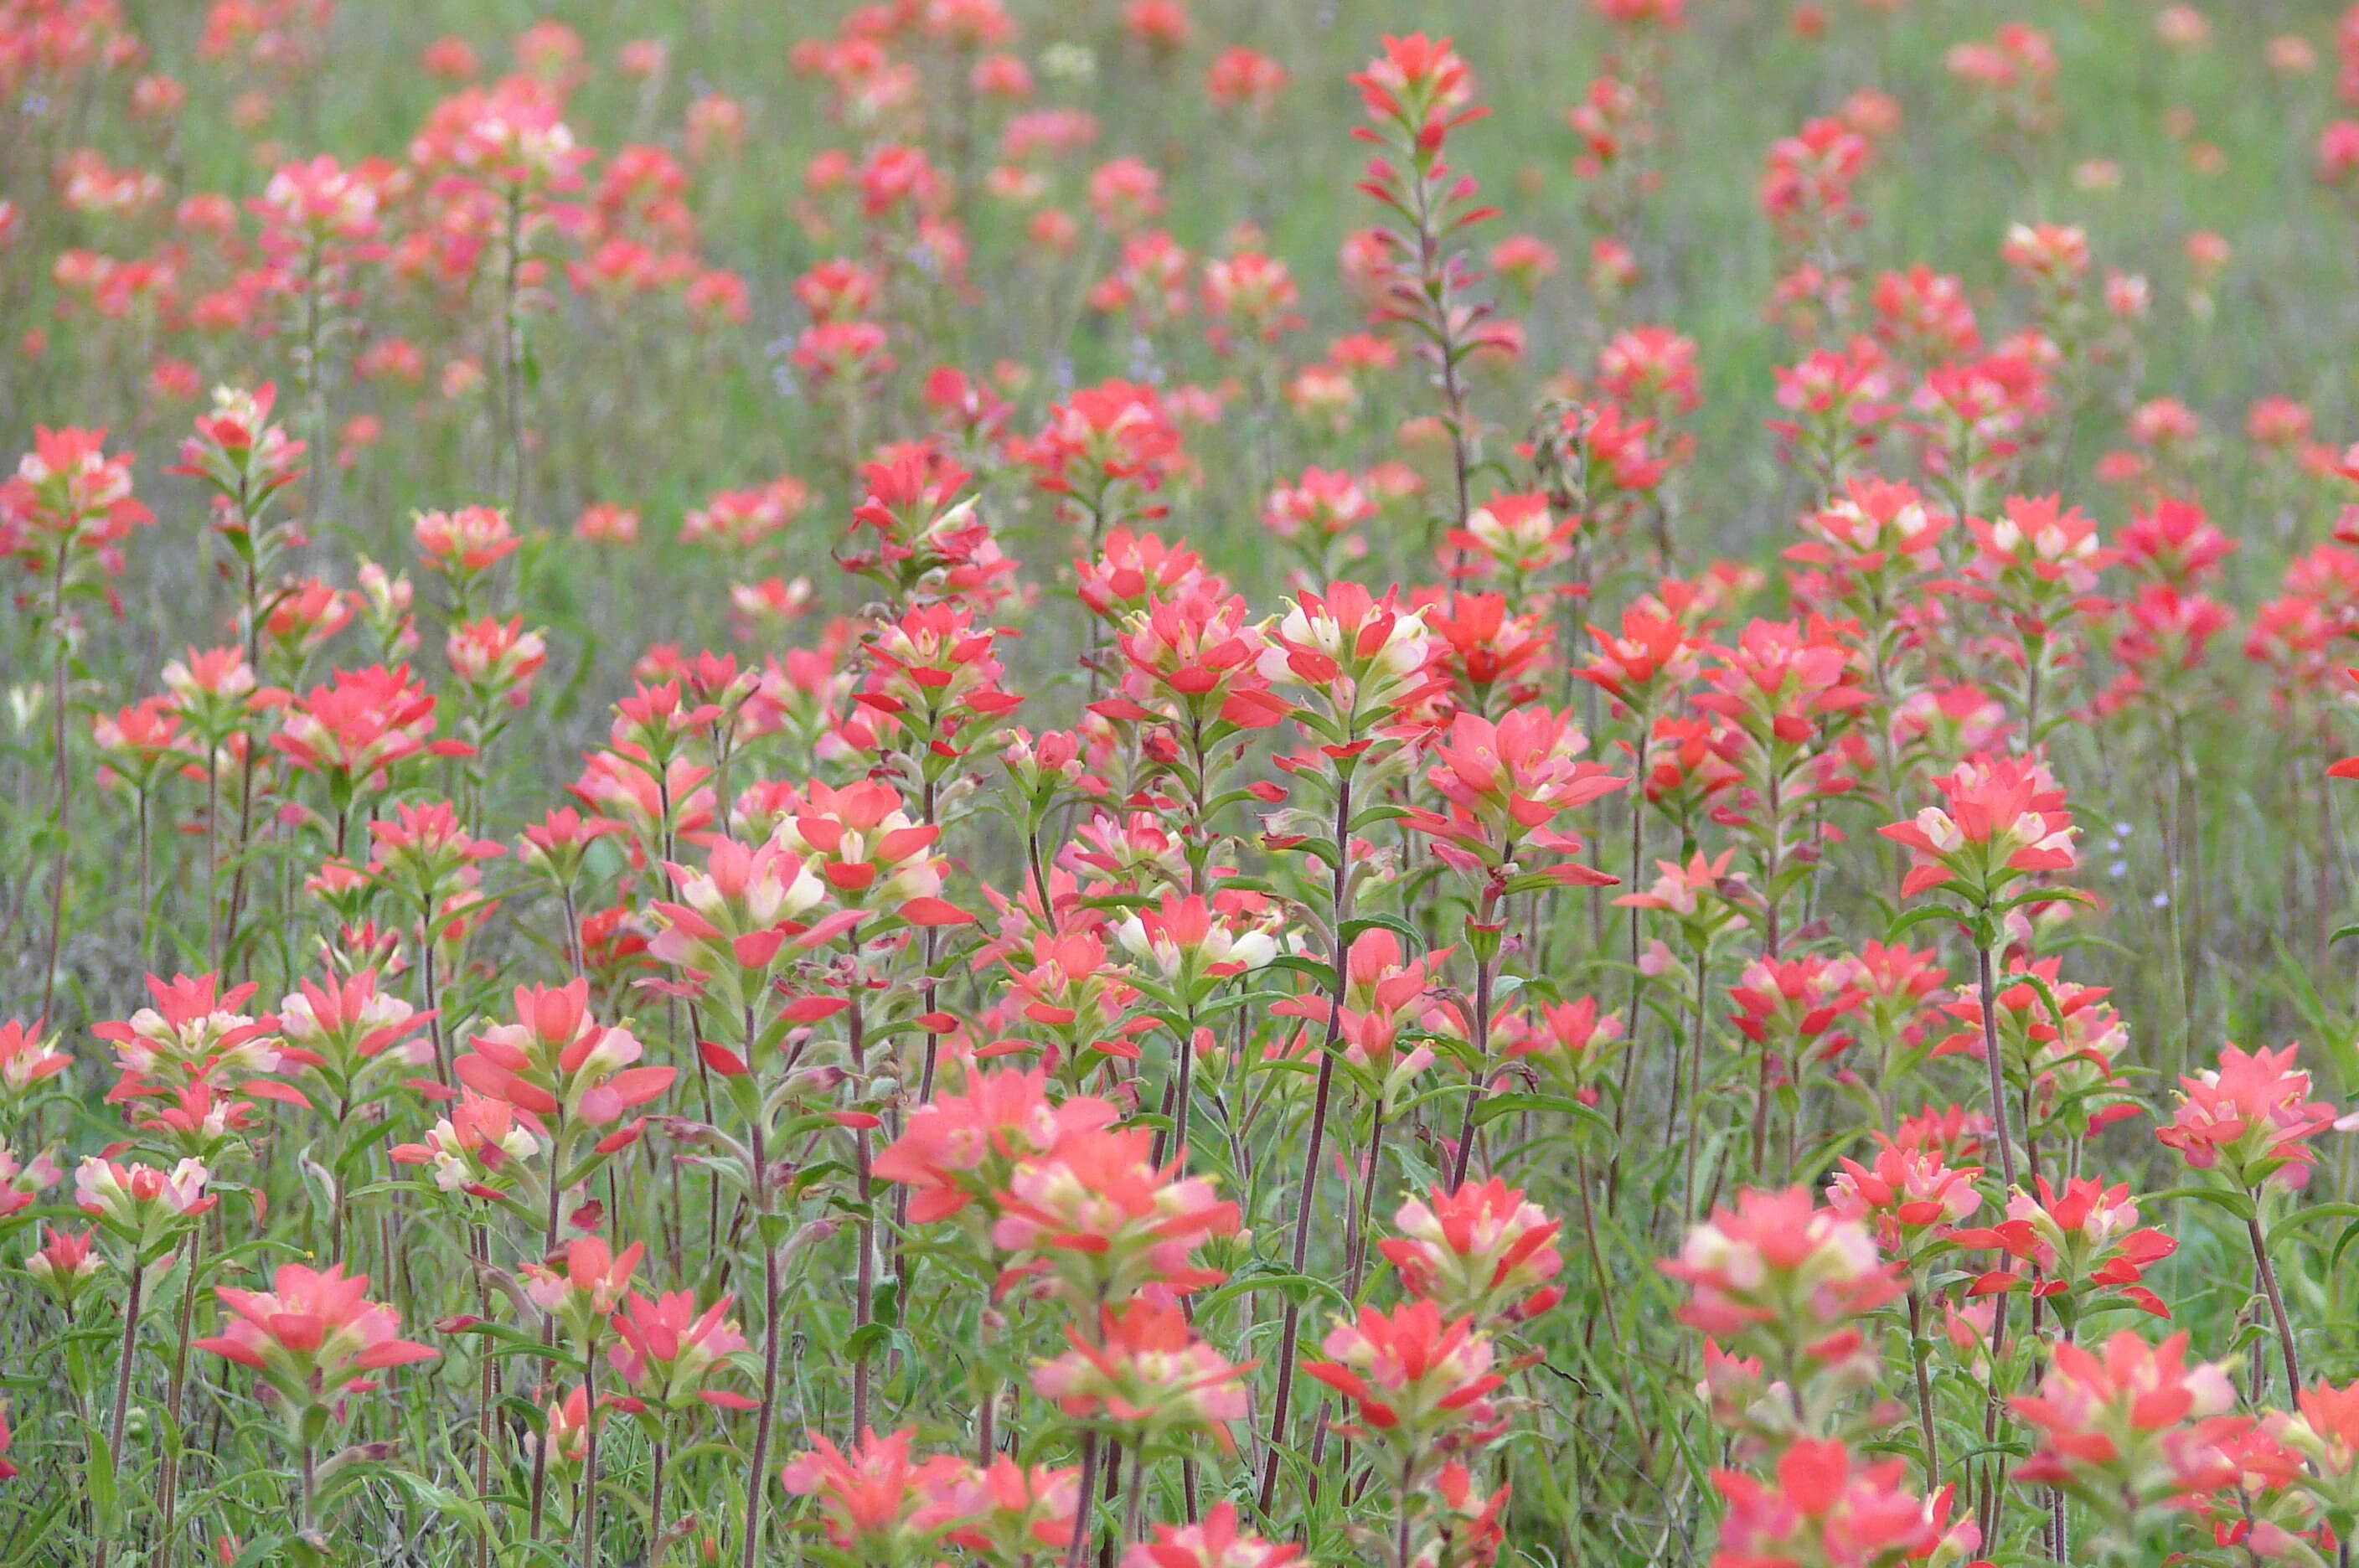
866,1340
2313,1212
105,1499
428,1495
1499,1105
1296,964
1916,918
2236,1203
1393,923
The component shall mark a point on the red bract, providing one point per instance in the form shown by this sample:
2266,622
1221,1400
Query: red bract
1141,1372
469,541
1243,78
1826,1511
496,660
1421,84
734,917
1644,661
1924,315
2039,557
1077,1001
1198,653
1790,1004
2252,1118
21,1180
1779,683
195,1035
2123,1424
665,1351
423,854
1513,536
1911,1195
1571,1044
1807,183
1503,785
359,730
1488,657
1005,1510
1106,449
312,1338
869,1498
1363,655
2081,1240
1319,514
1779,1267
964,1147
2325,1429
1216,1542
935,670
352,1034
1382,993
64,1262
475,1148
862,841
2175,542
558,1061
69,506
654,803
1133,570
1875,535
1097,1217
1479,1252
238,452
2063,1034
2003,818
27,1059
1418,1383
929,543
1191,939
1839,402
511,134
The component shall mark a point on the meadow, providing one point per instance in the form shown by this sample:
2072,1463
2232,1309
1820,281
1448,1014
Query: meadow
1179,783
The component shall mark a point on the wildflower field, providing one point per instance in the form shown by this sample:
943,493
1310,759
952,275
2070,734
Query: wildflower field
1179,783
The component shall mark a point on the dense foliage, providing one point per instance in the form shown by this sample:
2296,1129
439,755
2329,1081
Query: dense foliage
1186,785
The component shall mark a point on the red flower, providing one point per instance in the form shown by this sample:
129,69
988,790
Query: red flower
557,1061
964,1148
1214,1543
869,1498
665,1350
1096,1215
1143,1371
1503,784
1419,1384
69,504
1823,1509
1480,1251
2001,818
2251,1117
312,1336
1779,1267
2124,1423
2085,1238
